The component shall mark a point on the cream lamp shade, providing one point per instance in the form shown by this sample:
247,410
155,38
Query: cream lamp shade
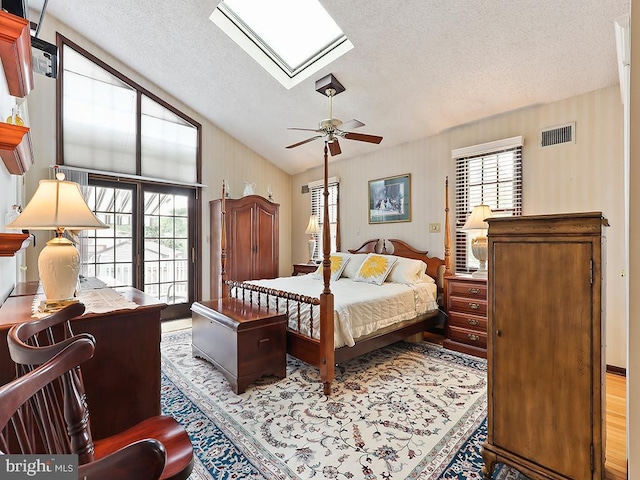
476,223
58,205
312,228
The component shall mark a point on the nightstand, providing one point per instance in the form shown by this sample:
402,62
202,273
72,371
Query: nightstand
467,315
303,268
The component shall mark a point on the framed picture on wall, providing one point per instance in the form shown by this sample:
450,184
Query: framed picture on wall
390,199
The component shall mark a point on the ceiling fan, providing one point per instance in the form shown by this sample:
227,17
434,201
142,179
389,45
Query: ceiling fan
332,128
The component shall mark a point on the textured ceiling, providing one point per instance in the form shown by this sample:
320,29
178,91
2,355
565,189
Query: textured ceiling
418,67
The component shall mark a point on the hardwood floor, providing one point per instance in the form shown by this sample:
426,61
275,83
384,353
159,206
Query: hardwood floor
616,456
616,442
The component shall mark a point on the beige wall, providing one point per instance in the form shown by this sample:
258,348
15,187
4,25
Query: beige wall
581,177
633,369
8,192
222,155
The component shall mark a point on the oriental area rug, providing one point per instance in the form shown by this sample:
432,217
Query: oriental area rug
408,411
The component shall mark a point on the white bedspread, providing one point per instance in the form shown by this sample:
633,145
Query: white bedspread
360,308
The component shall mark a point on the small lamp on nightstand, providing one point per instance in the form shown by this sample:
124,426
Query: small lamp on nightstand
312,229
476,223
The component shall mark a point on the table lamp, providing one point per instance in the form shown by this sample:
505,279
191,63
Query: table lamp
479,247
56,205
312,229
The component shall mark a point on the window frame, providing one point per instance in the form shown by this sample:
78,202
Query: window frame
503,202
235,28
63,41
316,191
142,182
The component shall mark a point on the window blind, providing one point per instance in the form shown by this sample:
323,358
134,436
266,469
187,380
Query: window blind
317,208
490,177
111,124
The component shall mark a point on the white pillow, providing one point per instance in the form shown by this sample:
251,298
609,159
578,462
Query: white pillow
338,262
375,268
355,260
409,271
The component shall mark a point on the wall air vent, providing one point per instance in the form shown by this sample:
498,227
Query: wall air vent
556,135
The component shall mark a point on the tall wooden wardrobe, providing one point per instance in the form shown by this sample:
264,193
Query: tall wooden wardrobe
252,240
546,362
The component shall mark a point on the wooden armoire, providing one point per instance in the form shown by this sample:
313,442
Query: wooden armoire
252,240
545,352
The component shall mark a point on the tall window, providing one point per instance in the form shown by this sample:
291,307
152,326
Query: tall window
141,158
317,208
110,124
490,174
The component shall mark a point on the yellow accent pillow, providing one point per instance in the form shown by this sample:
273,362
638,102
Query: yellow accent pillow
375,269
338,262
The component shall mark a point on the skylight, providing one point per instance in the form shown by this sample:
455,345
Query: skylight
291,39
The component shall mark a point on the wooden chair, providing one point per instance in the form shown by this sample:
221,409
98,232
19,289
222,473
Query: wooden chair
60,407
141,460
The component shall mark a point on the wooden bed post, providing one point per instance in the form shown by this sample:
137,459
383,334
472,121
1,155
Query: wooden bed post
338,244
447,236
223,244
327,351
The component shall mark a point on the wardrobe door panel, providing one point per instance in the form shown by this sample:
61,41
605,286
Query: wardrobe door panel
240,246
267,257
542,354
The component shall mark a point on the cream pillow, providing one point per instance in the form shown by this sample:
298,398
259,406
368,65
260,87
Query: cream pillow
355,260
338,262
375,268
408,271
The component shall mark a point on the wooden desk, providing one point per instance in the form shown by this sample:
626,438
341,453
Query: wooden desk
122,379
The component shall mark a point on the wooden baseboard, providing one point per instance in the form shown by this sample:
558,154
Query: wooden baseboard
617,370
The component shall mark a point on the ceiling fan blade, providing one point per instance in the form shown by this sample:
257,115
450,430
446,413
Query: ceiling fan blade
350,125
305,141
334,147
304,129
362,137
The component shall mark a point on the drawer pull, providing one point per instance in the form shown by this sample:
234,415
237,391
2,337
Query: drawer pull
474,306
474,291
472,337
262,342
472,321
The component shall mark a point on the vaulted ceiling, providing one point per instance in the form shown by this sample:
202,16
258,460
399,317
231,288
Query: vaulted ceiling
418,67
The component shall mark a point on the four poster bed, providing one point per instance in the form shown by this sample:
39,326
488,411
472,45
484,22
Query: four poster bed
389,312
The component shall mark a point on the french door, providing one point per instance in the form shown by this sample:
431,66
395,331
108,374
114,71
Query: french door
150,244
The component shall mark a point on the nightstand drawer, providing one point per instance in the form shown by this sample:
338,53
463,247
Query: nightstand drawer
469,337
466,301
469,321
468,305
468,290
